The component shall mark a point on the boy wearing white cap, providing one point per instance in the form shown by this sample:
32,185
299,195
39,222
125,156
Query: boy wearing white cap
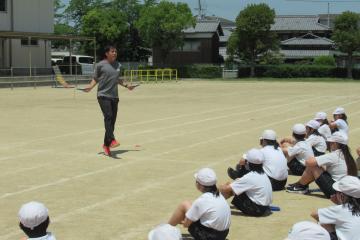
165,232
274,165
34,221
314,139
342,221
306,230
252,192
208,217
340,121
337,163
324,128
297,151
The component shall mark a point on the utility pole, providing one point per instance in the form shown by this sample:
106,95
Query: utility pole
200,10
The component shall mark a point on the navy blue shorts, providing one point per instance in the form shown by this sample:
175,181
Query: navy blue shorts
200,232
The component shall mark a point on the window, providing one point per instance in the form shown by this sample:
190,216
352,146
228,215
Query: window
87,60
191,46
3,5
33,42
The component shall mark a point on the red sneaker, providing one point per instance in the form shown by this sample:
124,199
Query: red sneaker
107,151
114,144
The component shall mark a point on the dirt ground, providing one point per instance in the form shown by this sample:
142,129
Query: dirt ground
50,151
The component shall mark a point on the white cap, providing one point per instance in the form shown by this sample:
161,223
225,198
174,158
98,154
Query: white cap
299,128
165,232
313,124
308,231
255,156
320,116
268,135
339,110
338,137
32,214
348,185
206,177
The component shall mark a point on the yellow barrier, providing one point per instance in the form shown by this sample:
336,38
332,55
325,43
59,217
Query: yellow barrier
147,75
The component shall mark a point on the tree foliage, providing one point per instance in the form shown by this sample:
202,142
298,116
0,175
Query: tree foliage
347,36
161,25
252,36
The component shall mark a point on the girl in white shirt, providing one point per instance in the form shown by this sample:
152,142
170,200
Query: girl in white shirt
324,128
340,121
337,163
208,217
342,221
252,193
314,139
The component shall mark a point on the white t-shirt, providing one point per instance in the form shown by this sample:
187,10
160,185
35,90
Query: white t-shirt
213,212
275,164
317,142
256,186
347,226
301,151
342,126
335,164
325,131
48,236
306,230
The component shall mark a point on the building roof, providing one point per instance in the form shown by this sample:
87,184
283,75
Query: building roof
206,26
43,36
301,54
225,23
298,23
308,39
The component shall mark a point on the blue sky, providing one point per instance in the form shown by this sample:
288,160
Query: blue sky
230,8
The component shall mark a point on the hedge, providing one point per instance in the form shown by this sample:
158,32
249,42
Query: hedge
297,71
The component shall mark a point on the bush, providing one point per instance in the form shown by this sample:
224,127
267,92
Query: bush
325,60
200,71
297,71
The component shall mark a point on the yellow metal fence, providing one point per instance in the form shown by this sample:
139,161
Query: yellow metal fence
147,75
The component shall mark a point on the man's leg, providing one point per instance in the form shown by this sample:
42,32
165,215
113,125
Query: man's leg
179,215
114,109
310,174
105,105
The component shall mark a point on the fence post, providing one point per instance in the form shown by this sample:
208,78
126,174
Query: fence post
12,78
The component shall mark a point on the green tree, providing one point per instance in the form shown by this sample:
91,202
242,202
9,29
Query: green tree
347,36
77,9
161,25
252,36
106,24
58,11
325,60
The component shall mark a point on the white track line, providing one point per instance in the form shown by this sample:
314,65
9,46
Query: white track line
23,155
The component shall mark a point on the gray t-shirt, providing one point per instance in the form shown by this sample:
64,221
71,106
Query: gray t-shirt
107,76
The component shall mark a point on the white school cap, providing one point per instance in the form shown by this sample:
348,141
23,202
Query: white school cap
299,128
306,230
339,110
338,137
255,156
348,185
206,177
32,214
320,116
165,232
313,124
268,135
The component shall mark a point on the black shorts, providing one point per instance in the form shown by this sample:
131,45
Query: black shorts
296,167
316,152
325,183
248,207
277,185
200,232
333,236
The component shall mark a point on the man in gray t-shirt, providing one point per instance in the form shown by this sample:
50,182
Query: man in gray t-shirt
107,76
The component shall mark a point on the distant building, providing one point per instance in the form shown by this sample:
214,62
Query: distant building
201,45
36,16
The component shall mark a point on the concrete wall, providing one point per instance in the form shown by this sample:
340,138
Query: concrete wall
5,18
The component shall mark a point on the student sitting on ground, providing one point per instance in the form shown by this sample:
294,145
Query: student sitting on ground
275,164
340,121
314,139
306,230
342,221
252,192
165,232
34,221
324,128
337,163
297,150
208,217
